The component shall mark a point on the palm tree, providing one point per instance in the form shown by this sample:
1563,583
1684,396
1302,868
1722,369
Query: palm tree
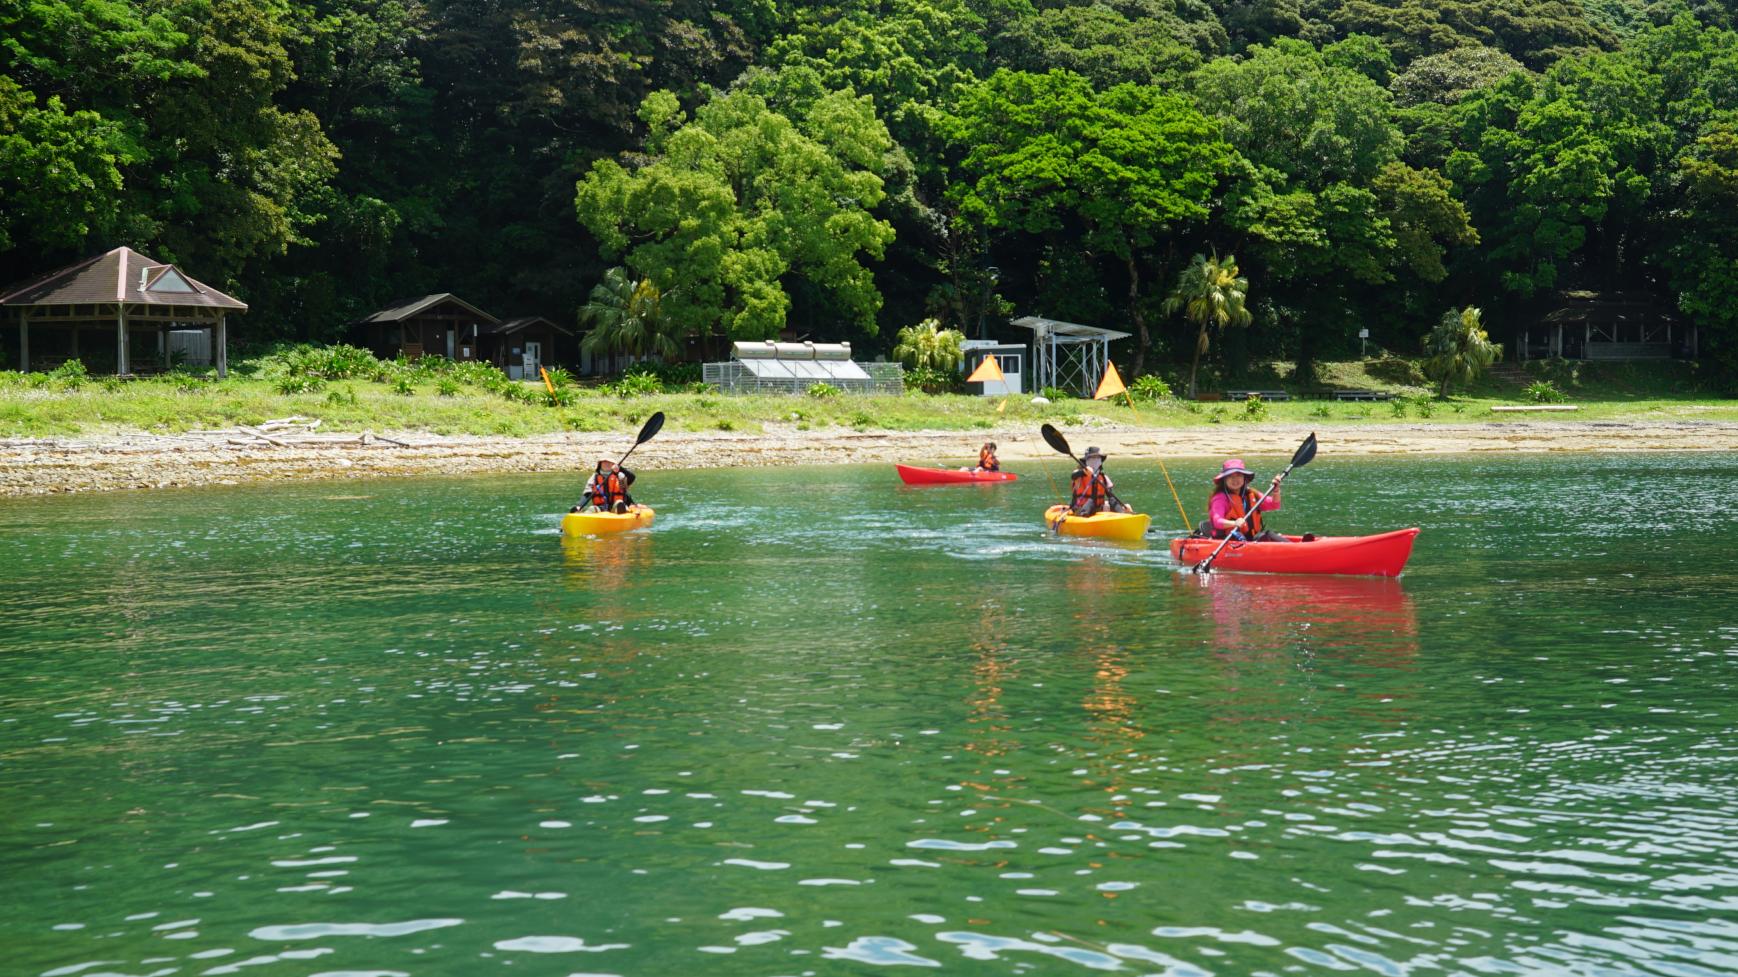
1458,348
1210,293
626,316
927,346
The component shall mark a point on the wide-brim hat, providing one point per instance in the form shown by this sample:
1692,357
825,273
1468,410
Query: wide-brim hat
1232,466
606,461
1092,453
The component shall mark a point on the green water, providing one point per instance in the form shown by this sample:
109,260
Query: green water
815,723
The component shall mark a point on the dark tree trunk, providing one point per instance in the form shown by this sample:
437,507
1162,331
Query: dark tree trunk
1137,317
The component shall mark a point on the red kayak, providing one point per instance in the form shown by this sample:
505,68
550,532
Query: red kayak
1381,555
950,476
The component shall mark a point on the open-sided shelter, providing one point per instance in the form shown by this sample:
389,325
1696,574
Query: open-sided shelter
1609,326
1068,355
119,294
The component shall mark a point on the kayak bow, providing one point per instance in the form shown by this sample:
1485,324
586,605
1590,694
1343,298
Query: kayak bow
912,475
1127,526
1381,555
601,523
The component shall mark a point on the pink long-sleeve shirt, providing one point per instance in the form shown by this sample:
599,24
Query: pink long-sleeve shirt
1220,508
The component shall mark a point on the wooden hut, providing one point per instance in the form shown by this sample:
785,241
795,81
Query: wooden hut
1609,326
438,325
521,346
119,295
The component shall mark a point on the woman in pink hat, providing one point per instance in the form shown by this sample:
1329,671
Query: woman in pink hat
1233,499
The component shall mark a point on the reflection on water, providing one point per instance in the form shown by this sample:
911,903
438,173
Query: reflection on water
269,732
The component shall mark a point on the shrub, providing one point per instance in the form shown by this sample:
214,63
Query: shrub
1321,410
341,396
725,424
478,373
824,391
862,419
933,381
403,385
558,376
1397,407
1217,414
1254,408
447,386
1054,394
69,375
288,385
1423,406
560,397
1394,369
1149,387
1543,392
640,383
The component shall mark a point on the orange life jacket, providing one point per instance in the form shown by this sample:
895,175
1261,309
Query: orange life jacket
1090,492
606,490
987,461
1241,501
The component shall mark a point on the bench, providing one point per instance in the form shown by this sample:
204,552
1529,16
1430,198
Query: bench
1268,395
1362,395
1535,408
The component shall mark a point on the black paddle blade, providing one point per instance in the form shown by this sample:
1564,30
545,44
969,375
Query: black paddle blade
655,423
1054,439
1305,452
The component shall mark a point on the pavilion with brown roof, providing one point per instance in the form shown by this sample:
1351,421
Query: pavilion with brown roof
125,290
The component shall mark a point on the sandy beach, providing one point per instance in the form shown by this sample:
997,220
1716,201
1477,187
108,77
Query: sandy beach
143,461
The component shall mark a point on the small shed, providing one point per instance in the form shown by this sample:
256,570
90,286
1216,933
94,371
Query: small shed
441,324
120,295
520,346
1609,326
1010,359
1068,355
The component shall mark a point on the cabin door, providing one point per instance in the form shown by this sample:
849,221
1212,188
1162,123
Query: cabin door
533,359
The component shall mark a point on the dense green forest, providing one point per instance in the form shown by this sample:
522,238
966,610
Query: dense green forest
843,169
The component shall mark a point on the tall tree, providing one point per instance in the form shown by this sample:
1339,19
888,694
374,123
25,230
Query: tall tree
1213,294
1046,155
746,200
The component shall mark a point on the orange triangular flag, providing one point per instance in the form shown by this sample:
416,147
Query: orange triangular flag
1111,385
989,371
1002,406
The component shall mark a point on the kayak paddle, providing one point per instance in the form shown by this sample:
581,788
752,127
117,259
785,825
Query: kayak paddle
1304,454
653,425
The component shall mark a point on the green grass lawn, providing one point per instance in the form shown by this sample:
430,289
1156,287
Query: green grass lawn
1603,392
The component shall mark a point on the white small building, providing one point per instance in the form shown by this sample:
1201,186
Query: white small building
1011,357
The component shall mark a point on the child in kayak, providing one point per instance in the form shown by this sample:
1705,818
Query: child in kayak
1232,498
607,489
987,461
1091,487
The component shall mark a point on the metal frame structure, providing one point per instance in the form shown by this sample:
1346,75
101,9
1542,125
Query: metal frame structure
1068,355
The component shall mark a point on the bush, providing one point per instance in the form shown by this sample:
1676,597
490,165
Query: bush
478,373
640,383
933,381
1396,370
561,397
1543,392
558,376
403,385
70,375
1397,407
340,362
1254,408
288,385
447,386
1054,394
1422,404
824,391
341,397
1149,387
1321,410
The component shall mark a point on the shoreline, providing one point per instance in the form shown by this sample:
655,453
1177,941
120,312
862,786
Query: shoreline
50,466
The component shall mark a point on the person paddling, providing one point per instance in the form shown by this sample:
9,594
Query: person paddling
608,488
987,461
1091,489
1233,498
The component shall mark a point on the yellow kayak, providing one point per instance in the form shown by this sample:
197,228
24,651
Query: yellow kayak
1131,526
599,523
